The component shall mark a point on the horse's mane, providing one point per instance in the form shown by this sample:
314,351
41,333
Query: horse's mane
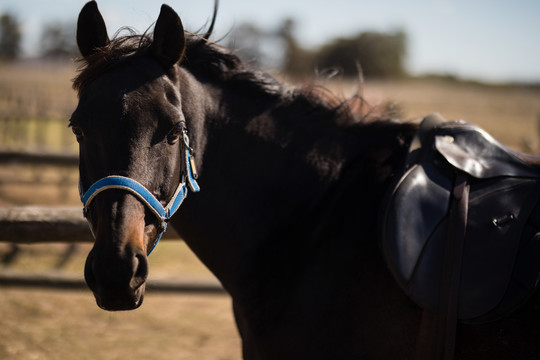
118,51
214,62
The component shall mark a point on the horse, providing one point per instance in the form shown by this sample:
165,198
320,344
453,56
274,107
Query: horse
291,184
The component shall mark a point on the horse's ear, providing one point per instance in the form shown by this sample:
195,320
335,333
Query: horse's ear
91,30
169,40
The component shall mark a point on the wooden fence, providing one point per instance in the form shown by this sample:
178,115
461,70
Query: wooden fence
62,224
59,281
38,158
45,224
42,224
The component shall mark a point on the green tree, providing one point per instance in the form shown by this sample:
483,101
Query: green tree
58,41
246,40
10,38
379,55
297,60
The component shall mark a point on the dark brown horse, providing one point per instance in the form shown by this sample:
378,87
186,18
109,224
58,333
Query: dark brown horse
291,185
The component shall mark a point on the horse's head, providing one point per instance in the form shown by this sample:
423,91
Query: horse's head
132,139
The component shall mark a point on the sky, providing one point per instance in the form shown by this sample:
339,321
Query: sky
486,40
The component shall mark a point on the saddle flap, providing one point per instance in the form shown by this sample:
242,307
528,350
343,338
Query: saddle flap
414,221
489,250
498,213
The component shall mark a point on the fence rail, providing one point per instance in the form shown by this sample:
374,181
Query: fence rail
38,158
56,224
208,286
62,224
47,224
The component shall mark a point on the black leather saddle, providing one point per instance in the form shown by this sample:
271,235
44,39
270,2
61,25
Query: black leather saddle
461,226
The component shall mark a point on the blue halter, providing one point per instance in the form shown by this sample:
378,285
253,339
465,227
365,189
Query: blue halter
142,193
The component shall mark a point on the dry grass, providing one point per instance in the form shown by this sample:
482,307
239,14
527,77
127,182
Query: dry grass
48,324
37,90
510,114
36,102
61,324
51,324
34,95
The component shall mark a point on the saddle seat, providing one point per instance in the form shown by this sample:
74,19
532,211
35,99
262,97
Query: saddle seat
498,262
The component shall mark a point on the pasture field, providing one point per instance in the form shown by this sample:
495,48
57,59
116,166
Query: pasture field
52,324
35,104
36,101
511,114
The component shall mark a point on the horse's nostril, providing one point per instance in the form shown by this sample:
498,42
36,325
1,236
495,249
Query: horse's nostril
117,281
140,271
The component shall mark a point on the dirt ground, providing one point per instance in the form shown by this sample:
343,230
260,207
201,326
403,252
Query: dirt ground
38,324
50,324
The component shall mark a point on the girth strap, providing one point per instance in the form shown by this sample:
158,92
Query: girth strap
451,277
438,331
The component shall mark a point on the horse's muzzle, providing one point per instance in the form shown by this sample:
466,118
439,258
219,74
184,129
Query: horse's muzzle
117,281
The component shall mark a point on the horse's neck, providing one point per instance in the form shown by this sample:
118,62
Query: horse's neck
263,161
265,182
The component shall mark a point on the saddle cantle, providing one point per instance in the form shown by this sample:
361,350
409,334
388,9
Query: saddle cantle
462,215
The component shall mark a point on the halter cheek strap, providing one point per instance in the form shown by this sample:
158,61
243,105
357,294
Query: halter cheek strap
144,195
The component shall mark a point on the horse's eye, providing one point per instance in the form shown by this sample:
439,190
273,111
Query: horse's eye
78,132
174,134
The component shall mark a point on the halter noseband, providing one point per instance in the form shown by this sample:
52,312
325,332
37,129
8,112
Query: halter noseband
142,193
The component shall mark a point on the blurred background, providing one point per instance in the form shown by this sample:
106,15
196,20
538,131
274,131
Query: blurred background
475,60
